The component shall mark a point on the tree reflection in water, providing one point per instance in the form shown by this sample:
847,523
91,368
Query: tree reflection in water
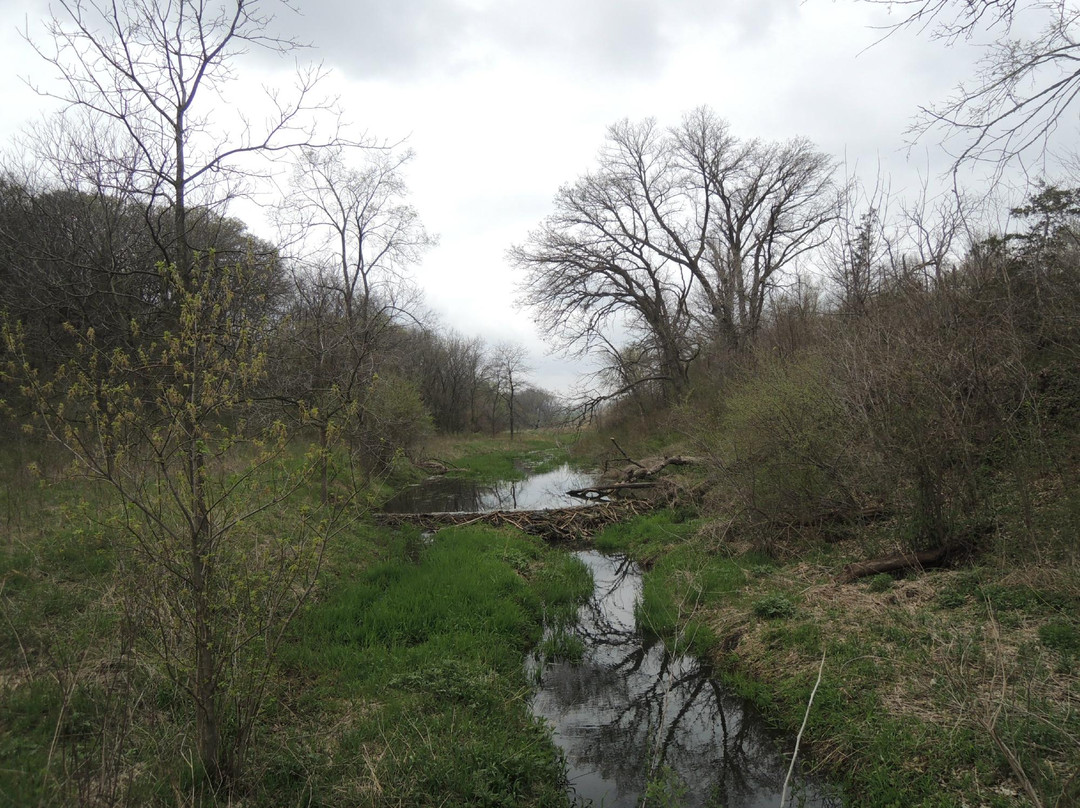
630,708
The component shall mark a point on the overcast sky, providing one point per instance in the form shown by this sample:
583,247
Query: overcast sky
505,100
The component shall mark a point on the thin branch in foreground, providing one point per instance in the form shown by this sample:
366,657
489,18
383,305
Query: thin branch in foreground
798,738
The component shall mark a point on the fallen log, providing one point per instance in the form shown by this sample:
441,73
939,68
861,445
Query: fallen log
650,467
895,563
434,466
596,492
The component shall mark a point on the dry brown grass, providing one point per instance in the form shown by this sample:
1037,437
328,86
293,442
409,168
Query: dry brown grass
950,668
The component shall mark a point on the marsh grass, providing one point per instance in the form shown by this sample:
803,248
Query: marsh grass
498,459
917,702
433,650
401,683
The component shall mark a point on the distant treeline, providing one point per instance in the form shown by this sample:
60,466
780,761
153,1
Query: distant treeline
75,261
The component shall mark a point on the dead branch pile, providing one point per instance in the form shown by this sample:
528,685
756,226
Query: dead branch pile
558,525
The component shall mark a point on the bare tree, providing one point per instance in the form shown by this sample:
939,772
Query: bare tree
594,265
762,206
357,236
506,367
678,236
1024,83
147,78
357,221
854,257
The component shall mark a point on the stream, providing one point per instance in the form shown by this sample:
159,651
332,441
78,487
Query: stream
630,711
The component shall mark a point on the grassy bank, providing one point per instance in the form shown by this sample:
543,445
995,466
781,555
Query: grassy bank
499,458
401,682
955,687
411,678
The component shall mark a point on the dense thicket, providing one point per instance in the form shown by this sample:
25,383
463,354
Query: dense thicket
935,397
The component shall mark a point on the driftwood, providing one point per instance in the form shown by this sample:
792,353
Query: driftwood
895,563
654,466
433,466
561,525
649,467
596,492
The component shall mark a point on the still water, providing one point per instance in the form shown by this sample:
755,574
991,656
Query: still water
449,494
630,708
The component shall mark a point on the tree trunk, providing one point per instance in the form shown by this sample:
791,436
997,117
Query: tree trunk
510,403
207,723
324,444
895,563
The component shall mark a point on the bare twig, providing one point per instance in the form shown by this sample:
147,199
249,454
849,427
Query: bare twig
798,738
628,458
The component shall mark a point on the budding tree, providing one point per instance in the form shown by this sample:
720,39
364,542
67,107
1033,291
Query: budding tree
158,420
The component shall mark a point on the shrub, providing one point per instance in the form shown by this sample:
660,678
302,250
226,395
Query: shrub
393,421
773,606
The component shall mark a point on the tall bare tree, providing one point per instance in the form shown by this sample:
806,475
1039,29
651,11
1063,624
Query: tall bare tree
356,236
507,366
602,261
677,237
762,207
357,222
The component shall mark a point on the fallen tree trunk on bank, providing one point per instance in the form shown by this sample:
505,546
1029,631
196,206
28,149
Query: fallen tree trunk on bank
653,466
895,563
559,525
648,467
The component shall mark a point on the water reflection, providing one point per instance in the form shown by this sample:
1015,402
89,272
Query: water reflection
630,708
451,494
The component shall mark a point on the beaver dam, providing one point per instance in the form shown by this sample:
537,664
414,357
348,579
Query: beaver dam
558,525
547,505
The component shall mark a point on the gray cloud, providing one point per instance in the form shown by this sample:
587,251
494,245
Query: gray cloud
407,38
378,38
410,38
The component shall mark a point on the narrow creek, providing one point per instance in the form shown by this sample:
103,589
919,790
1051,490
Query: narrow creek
629,711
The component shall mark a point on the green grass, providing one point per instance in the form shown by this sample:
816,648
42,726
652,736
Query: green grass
561,645
402,682
434,649
922,641
647,537
497,460
682,580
